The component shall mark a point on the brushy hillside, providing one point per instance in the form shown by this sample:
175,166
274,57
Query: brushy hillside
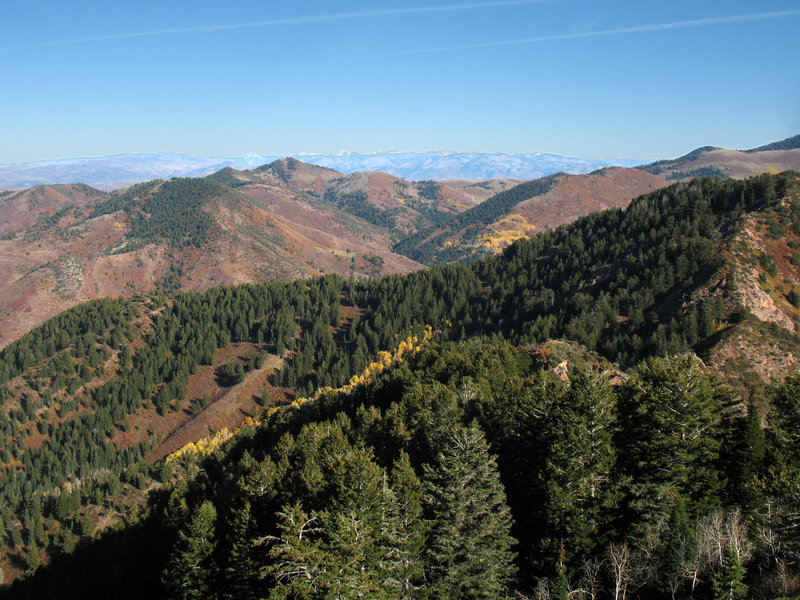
523,211
62,245
790,143
665,276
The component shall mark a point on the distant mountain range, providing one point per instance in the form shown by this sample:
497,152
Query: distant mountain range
122,170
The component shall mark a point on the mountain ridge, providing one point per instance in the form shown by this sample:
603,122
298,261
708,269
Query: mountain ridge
721,162
720,258
120,170
59,249
294,219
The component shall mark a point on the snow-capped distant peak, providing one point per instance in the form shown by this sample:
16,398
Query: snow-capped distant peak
124,169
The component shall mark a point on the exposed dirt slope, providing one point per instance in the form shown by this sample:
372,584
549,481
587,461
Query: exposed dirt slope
578,195
228,408
758,339
327,239
466,193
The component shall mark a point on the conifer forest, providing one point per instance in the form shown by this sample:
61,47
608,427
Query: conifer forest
554,422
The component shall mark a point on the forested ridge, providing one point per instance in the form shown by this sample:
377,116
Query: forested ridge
168,211
428,245
469,471
423,198
603,280
660,166
619,282
356,204
790,143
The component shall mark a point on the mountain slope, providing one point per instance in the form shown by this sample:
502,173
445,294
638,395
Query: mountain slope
49,203
385,201
185,233
524,210
289,219
719,162
87,396
790,143
65,244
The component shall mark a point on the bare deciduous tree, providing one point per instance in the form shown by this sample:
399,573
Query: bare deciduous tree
590,585
620,564
542,590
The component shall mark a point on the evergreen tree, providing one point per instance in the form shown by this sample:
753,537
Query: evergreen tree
468,553
729,580
33,559
675,552
669,441
190,571
297,560
750,460
296,564
560,586
403,536
356,521
577,468
365,543
784,422
780,487
241,572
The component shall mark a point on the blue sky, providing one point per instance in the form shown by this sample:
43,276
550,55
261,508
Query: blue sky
574,77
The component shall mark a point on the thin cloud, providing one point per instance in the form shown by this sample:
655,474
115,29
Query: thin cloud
309,19
599,33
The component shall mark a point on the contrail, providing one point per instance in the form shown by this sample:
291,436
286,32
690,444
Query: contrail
323,18
599,33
